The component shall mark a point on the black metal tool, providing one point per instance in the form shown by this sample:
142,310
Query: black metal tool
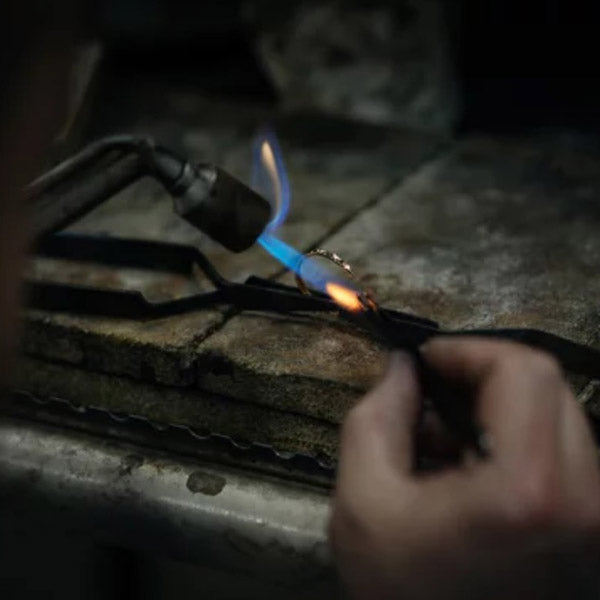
393,328
254,294
205,195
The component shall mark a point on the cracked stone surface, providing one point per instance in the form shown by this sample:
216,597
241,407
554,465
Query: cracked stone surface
497,233
181,406
492,232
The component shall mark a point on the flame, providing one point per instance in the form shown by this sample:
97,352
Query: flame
269,177
347,298
268,161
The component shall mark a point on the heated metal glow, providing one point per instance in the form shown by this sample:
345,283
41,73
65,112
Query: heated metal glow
347,298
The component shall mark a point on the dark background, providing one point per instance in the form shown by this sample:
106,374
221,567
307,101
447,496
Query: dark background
515,65
501,66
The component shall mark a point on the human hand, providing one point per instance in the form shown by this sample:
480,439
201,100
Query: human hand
524,523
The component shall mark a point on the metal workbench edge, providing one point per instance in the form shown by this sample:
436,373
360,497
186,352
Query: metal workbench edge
136,498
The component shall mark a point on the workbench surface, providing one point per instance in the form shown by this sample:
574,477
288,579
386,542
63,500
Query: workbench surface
476,232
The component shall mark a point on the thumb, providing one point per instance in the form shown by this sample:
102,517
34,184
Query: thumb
380,430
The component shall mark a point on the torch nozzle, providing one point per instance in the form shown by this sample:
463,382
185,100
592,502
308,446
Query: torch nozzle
204,195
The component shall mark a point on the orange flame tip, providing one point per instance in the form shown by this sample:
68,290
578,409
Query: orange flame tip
268,160
347,298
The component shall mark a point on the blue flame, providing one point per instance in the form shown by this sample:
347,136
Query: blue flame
274,185
285,254
314,272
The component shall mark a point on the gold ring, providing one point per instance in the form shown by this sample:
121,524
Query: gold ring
326,254
366,297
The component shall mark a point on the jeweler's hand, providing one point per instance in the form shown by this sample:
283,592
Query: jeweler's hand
524,523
